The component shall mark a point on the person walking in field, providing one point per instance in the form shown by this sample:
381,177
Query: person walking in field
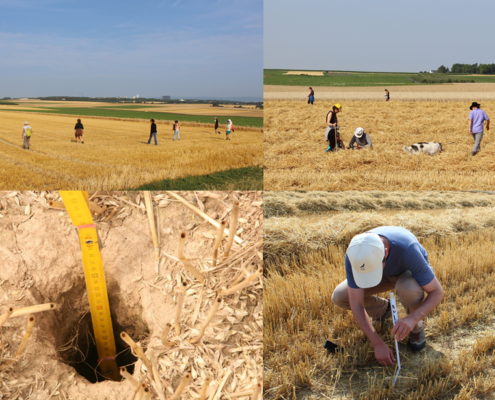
332,132
176,128
477,118
152,131
230,128
361,139
384,259
311,96
387,95
79,131
216,125
27,131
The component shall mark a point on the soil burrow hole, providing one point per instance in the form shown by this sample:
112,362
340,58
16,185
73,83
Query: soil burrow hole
74,337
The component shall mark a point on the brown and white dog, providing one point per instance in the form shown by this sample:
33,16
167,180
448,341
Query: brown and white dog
430,148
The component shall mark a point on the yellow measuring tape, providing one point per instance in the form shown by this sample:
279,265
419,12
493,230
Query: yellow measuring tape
77,205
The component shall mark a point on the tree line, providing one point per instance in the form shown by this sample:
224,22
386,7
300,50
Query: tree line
482,69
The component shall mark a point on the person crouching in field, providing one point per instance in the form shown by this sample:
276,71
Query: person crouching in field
176,129
384,259
477,118
332,132
27,131
216,125
230,128
153,132
79,131
311,96
361,140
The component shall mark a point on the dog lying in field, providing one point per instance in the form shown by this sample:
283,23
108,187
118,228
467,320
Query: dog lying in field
430,148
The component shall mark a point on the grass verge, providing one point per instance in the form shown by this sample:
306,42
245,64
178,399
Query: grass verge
250,178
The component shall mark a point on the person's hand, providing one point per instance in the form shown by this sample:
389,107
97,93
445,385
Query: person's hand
471,132
359,146
384,355
402,328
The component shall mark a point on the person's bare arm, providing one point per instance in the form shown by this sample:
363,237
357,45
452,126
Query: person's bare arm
383,354
405,325
470,125
487,124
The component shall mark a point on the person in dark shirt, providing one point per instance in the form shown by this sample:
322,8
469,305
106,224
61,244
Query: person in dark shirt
332,132
311,96
79,131
216,125
153,132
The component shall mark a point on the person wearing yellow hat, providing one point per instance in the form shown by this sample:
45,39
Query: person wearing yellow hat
384,259
332,133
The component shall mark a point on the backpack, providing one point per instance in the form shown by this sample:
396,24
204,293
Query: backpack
28,132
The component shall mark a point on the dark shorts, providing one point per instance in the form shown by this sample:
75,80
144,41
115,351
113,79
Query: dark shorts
79,132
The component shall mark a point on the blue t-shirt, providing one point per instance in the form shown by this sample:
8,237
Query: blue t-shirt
479,117
406,254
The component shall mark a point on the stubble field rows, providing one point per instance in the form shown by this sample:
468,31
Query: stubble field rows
306,263
115,154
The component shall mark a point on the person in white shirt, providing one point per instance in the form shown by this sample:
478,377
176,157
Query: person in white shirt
27,131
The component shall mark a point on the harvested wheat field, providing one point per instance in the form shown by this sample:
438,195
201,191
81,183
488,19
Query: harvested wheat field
115,154
190,336
445,92
295,157
305,262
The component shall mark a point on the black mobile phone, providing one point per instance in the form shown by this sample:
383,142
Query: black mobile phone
331,347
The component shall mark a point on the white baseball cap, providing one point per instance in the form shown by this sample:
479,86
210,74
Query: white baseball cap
26,123
365,253
359,132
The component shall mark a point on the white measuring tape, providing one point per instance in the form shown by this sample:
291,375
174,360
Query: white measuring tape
395,317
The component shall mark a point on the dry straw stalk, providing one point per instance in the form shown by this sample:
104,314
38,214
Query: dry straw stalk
218,240
136,349
33,309
151,220
182,385
232,227
211,314
204,388
26,336
247,282
4,317
185,262
180,304
128,377
202,214
164,338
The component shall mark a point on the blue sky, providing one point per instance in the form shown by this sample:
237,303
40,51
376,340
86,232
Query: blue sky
380,35
182,48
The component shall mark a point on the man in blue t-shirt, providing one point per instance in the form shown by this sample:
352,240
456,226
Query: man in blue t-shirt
477,118
384,259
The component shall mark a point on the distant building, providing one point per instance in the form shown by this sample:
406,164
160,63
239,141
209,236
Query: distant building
181,100
137,96
432,71
165,97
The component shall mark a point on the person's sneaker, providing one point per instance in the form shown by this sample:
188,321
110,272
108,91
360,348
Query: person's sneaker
417,340
329,149
385,316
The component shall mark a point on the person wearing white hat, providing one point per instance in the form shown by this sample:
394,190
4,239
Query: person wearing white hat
361,139
384,259
26,134
230,128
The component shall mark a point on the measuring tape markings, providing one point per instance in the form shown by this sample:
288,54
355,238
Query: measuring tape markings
77,207
395,317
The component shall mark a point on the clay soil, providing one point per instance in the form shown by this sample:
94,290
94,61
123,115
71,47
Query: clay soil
41,263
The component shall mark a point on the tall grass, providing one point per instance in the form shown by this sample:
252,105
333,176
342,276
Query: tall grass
299,316
295,157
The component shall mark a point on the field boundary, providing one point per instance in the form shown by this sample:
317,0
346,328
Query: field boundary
157,121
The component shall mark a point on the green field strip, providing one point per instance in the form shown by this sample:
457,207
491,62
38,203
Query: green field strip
248,178
93,112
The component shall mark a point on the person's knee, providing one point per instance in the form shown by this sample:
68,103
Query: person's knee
340,298
408,289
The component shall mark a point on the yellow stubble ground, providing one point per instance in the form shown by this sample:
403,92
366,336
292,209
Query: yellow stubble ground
295,157
115,154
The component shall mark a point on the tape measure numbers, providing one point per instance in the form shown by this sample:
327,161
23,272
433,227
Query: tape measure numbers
76,203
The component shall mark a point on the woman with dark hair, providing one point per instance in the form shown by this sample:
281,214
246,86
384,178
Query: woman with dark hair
79,130
332,132
387,95
311,96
